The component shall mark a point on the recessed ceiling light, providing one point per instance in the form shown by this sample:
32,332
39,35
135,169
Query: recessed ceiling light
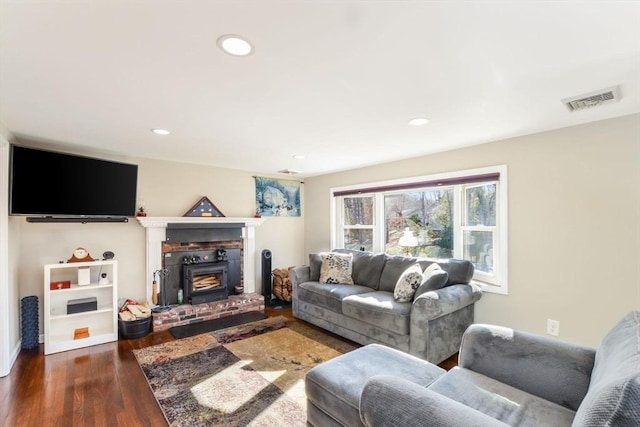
418,121
298,156
235,45
160,131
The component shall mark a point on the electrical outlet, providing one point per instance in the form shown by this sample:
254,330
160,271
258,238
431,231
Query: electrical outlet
553,327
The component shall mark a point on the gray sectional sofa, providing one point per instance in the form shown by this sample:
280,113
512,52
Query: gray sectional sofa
504,377
430,326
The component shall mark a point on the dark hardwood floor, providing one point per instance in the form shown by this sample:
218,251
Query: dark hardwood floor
97,386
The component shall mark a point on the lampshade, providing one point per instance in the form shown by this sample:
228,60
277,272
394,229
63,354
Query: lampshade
408,239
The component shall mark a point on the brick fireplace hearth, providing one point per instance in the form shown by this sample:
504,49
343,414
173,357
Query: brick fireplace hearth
186,313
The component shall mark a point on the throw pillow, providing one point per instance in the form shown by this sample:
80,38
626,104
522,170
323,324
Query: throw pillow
407,283
336,268
433,278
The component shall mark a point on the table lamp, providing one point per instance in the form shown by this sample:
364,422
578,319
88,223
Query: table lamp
408,241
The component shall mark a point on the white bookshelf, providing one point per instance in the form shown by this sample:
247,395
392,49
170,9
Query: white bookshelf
59,327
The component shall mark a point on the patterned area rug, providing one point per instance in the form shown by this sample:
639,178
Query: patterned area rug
248,375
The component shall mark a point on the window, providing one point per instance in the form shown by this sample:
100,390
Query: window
429,217
479,229
455,215
358,223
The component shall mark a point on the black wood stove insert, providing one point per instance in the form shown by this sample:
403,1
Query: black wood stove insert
205,282
179,262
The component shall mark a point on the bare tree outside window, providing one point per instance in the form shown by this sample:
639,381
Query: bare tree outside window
428,214
479,226
358,223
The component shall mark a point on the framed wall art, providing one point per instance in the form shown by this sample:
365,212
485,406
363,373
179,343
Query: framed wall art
277,197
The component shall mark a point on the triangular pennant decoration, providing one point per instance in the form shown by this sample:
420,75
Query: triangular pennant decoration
204,207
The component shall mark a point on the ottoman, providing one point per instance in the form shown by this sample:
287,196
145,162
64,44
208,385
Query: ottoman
333,388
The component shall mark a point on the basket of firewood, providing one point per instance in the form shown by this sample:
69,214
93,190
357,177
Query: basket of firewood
134,319
281,287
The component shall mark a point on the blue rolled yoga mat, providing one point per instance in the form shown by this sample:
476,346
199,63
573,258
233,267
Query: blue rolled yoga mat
29,309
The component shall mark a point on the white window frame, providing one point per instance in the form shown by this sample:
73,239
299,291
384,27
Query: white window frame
339,236
459,227
497,283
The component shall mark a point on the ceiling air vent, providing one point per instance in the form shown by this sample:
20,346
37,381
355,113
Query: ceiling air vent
289,171
593,99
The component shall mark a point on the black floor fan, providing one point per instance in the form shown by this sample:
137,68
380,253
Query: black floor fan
267,276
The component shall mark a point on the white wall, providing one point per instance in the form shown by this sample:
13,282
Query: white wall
9,302
167,189
574,223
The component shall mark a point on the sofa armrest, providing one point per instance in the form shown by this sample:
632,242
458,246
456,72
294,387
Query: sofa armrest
299,274
554,370
390,401
433,304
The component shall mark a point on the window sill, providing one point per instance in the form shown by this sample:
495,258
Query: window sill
490,287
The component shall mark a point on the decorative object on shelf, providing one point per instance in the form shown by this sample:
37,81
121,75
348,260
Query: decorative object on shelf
277,197
81,305
84,276
162,274
204,207
408,241
108,255
141,212
80,254
104,280
81,333
61,284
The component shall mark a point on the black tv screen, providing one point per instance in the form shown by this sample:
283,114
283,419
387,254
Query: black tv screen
48,183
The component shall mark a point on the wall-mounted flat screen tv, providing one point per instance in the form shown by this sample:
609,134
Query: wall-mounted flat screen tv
53,184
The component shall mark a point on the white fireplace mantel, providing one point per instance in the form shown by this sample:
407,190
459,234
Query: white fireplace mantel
156,230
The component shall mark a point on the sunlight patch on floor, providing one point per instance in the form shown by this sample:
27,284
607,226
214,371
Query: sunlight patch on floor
272,376
239,386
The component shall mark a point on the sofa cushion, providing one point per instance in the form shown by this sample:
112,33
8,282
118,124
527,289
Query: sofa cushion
460,271
327,296
336,268
408,404
379,308
393,268
367,267
501,401
614,390
433,278
407,283
315,262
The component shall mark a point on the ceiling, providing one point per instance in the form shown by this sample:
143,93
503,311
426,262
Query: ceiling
334,81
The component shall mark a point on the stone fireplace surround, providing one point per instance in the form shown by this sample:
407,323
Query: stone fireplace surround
156,234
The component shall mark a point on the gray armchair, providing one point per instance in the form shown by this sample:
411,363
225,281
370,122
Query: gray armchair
507,377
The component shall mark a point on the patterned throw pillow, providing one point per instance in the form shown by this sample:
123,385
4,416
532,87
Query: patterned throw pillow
336,268
407,283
